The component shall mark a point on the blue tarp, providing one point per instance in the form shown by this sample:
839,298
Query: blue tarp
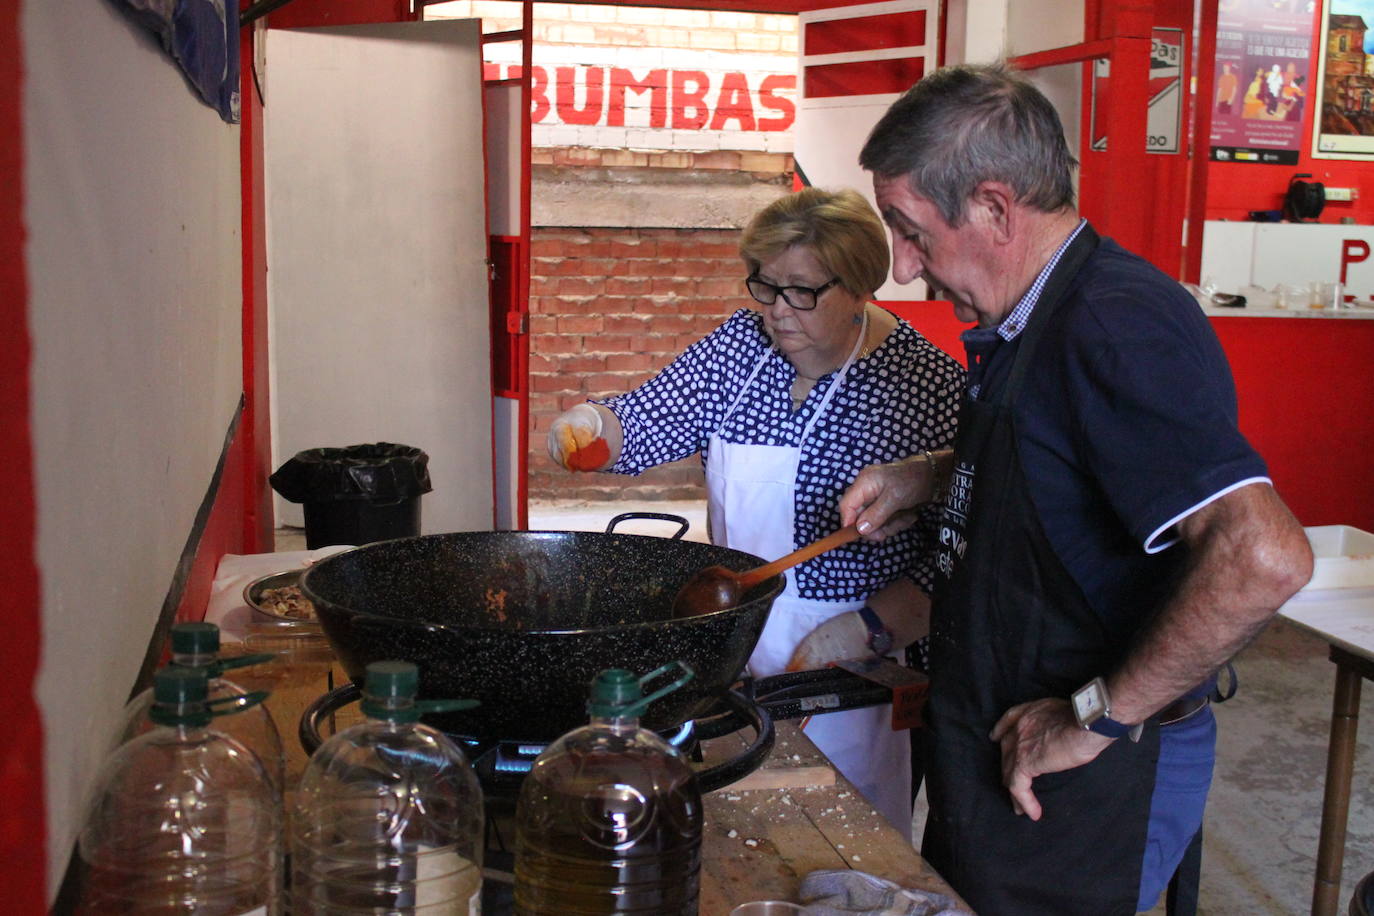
202,36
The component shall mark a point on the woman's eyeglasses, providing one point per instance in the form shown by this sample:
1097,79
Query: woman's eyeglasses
802,298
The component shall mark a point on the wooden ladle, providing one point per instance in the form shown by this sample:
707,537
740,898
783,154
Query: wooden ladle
716,588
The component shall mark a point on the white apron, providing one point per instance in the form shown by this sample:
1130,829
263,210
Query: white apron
752,489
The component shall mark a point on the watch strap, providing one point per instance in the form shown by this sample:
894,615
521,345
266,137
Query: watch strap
879,636
1109,727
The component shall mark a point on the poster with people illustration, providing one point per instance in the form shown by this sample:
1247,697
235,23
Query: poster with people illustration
1263,61
1345,128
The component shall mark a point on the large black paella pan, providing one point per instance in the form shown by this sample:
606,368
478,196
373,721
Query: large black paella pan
523,621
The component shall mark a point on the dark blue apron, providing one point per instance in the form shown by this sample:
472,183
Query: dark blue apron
1009,625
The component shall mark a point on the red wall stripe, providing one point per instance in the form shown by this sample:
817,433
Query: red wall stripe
23,823
866,77
865,33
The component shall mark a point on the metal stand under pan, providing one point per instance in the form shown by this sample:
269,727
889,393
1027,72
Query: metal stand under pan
502,765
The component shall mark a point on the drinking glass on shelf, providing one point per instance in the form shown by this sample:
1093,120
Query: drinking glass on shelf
1291,297
1333,295
1257,297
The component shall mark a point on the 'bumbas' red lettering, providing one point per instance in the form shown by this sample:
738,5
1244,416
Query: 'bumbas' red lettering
784,106
590,112
655,83
539,90
684,99
734,103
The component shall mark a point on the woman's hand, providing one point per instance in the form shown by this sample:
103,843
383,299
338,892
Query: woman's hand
576,440
842,636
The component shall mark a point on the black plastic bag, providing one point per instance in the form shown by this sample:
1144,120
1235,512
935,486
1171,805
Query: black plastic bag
381,472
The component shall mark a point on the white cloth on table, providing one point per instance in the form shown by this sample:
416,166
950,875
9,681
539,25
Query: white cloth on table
843,892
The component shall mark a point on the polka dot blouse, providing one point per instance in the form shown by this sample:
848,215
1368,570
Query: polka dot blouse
902,397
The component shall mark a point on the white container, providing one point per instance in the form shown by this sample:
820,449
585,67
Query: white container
1344,557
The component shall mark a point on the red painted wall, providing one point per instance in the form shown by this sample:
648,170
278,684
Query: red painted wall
223,533
23,849
1236,188
1309,418
303,13
1304,386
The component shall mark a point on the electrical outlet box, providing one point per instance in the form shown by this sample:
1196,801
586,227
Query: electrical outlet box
1342,193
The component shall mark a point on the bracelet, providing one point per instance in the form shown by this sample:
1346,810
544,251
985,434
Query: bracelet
937,486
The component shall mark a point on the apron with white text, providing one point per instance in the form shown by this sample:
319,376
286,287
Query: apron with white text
752,492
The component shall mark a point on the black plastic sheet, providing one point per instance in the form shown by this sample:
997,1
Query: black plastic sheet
381,471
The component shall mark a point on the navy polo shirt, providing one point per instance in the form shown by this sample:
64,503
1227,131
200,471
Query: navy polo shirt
1126,423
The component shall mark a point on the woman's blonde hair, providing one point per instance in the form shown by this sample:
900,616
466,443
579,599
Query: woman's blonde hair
839,227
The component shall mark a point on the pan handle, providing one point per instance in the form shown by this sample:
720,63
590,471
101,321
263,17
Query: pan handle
661,516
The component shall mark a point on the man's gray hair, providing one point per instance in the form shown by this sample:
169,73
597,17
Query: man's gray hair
960,126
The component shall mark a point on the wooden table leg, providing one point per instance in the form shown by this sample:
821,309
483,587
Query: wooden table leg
1340,761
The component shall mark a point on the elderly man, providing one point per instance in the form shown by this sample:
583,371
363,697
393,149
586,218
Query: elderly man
1109,539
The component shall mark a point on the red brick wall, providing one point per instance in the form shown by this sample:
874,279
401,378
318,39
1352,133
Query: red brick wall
610,308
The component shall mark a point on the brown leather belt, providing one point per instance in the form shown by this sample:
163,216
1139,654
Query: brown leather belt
1184,708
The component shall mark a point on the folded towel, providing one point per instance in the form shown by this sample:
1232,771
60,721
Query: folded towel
837,892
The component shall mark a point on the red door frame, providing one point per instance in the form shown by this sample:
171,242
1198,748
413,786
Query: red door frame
509,259
1112,199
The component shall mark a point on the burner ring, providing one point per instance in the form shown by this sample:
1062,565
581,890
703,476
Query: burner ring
746,711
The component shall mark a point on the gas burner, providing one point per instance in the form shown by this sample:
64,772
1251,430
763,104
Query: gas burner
755,704
501,765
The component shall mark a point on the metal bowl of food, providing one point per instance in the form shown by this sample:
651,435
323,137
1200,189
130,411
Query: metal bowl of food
279,596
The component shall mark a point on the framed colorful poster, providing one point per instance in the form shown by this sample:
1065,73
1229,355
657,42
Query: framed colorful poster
1263,73
1345,126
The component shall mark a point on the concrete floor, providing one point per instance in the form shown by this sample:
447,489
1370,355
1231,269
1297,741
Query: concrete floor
1264,814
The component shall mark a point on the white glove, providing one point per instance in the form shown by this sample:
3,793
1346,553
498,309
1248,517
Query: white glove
572,431
842,636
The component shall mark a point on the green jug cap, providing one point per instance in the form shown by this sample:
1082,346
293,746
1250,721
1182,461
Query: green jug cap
392,679
181,697
618,694
612,691
180,686
389,690
195,639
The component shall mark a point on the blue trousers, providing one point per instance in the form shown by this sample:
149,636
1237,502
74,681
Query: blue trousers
1187,753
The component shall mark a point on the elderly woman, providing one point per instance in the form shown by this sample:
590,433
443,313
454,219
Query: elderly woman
785,404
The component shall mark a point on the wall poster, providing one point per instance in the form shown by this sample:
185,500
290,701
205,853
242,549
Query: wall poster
1345,129
1263,75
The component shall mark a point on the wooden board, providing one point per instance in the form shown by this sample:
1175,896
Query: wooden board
759,843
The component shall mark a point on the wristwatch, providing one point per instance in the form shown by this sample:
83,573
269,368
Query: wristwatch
1092,707
879,636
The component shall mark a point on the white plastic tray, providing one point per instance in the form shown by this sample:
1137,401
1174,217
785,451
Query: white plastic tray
1344,557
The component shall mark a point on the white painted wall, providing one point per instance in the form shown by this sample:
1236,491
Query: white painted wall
985,31
1041,25
376,249
131,191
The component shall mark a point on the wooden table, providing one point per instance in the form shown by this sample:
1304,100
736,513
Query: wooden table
760,843
1345,619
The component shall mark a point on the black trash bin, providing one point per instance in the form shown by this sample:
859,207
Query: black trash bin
1362,901
358,494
